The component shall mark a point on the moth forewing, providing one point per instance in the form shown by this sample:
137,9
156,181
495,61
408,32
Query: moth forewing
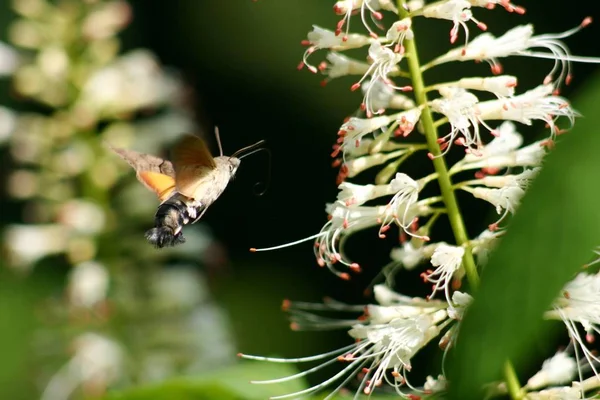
145,162
193,164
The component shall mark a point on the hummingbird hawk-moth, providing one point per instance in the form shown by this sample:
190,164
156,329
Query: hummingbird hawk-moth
186,185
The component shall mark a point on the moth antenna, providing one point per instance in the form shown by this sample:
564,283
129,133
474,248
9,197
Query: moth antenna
219,141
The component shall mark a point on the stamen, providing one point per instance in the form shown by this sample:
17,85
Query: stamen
281,246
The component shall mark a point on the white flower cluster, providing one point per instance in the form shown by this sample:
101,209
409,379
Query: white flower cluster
481,115
62,175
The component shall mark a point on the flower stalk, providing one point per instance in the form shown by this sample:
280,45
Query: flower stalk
439,163
446,186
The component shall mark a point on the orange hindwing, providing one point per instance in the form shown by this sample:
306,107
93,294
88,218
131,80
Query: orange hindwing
163,185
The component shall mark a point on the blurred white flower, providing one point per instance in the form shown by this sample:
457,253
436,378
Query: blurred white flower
96,364
557,370
106,19
134,81
556,393
9,59
579,303
410,256
435,385
83,216
27,244
88,284
8,123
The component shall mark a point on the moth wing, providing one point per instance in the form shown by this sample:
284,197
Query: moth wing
145,162
162,185
192,162
155,173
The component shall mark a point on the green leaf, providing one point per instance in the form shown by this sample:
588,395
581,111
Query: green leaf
227,384
550,238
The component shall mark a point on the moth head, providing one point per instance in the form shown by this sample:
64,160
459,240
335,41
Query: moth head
233,163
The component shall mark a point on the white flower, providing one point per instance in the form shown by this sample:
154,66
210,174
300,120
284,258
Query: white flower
407,121
379,349
518,41
558,370
347,219
343,221
501,86
398,32
506,139
447,260
352,131
320,38
387,297
535,104
385,62
347,7
490,4
457,11
528,156
410,256
580,303
399,208
377,96
355,195
461,109
88,284
355,166
484,244
340,65
396,342
522,180
460,302
505,199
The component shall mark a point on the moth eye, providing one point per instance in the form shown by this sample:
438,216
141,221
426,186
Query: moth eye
231,168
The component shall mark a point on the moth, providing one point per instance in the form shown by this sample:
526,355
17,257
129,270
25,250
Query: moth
186,185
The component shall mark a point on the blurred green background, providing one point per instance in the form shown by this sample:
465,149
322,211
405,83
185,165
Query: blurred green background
239,59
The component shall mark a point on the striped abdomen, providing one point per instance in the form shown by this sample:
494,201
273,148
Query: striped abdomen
169,220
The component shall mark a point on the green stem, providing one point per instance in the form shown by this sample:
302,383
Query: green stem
445,182
512,381
439,163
